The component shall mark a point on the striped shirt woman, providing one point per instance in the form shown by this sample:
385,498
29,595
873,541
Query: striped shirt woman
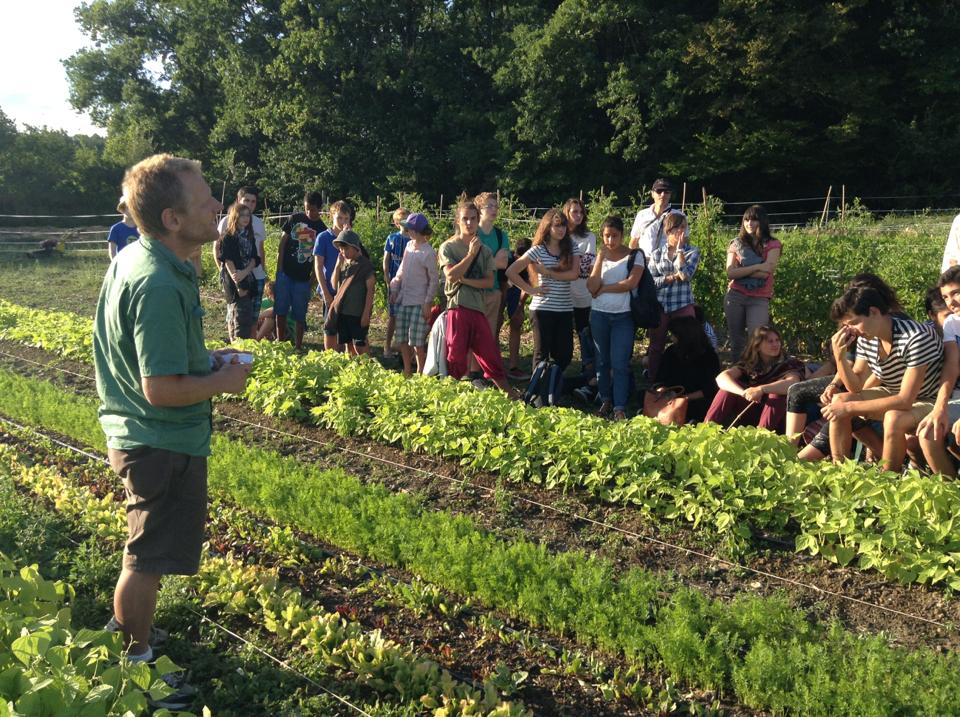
553,260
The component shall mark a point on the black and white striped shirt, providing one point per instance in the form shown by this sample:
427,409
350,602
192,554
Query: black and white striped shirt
913,345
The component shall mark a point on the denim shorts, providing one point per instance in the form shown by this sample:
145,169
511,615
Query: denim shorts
291,298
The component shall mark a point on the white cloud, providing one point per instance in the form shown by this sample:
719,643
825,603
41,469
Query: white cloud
38,34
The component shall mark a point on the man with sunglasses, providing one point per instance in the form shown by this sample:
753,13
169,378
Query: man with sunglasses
647,232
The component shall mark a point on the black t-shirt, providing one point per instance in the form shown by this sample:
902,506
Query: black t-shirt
696,374
240,249
298,252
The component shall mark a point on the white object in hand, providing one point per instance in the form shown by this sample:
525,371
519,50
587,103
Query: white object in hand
244,357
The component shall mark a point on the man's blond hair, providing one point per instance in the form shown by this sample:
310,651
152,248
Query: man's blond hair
154,184
482,199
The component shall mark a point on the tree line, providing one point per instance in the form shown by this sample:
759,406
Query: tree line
536,98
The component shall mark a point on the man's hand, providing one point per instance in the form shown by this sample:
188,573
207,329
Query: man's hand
475,245
934,426
222,356
234,376
841,341
829,392
838,408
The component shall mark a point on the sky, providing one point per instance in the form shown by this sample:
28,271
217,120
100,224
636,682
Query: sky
37,35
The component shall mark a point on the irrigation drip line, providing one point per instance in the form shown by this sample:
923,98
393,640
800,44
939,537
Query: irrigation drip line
283,663
546,507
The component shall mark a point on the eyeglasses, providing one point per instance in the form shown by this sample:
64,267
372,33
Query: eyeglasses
662,191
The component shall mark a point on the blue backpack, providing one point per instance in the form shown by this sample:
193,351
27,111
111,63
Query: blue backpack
546,385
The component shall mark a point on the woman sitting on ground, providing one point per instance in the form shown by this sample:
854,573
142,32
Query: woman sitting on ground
753,392
686,384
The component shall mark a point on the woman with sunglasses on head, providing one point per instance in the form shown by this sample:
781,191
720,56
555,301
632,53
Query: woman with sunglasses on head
751,264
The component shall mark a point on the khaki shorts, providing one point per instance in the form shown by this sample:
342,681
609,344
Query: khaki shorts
920,409
166,509
491,309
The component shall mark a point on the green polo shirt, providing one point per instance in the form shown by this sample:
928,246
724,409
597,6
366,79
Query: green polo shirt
150,323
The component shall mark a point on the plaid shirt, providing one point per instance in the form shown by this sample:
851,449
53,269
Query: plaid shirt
678,294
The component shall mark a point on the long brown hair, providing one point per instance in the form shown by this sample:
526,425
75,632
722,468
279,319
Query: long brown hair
750,360
760,214
581,229
233,218
542,235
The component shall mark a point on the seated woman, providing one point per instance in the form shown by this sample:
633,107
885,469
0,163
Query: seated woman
686,384
753,392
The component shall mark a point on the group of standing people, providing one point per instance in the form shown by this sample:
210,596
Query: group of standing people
578,289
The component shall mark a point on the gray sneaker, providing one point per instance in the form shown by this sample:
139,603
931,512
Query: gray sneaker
157,637
182,695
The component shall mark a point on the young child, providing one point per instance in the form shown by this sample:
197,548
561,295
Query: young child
392,256
123,232
415,286
348,314
266,322
516,301
325,259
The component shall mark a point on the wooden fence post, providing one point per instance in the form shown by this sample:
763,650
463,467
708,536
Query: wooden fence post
826,208
683,200
843,201
581,196
440,211
378,209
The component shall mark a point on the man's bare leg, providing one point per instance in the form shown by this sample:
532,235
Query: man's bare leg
134,603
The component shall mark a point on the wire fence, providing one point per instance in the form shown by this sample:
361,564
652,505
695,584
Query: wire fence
87,233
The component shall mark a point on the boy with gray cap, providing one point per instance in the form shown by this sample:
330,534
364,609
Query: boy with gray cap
354,281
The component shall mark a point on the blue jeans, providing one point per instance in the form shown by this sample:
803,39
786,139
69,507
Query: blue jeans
613,342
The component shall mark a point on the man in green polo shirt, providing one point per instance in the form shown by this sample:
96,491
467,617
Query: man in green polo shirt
155,379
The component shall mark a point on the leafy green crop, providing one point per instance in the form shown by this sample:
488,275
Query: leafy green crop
48,668
763,651
257,594
729,482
